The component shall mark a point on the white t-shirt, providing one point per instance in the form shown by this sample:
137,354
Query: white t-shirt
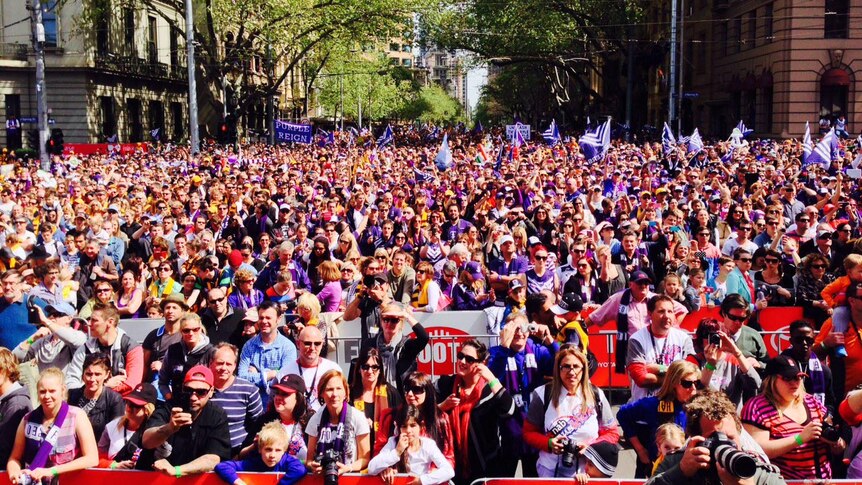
355,424
311,376
419,463
646,349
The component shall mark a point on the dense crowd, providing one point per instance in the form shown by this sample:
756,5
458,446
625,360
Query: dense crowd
254,256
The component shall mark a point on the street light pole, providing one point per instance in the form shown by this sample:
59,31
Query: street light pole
671,99
194,134
41,98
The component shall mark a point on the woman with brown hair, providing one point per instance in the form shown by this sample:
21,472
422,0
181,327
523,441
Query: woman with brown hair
347,429
426,295
330,294
369,390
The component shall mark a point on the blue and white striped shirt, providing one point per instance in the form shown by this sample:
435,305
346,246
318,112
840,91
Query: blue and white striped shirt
241,403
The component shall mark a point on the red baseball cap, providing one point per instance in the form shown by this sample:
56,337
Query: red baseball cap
199,373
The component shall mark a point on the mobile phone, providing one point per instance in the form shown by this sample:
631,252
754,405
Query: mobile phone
714,339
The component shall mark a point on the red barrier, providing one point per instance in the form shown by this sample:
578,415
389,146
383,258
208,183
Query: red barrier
558,481
604,347
778,319
692,320
127,477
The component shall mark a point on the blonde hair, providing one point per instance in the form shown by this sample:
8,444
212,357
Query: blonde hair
328,271
771,393
191,317
852,260
308,301
9,365
57,374
272,433
584,386
669,432
675,372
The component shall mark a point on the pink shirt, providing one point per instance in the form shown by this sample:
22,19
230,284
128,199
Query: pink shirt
638,314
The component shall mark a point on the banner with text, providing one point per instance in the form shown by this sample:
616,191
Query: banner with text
293,132
524,129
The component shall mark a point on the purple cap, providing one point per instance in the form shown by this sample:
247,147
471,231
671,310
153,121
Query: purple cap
475,270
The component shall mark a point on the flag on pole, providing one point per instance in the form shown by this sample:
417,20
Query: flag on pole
386,138
823,152
728,157
421,176
481,155
807,145
595,144
743,130
695,143
668,141
443,160
478,128
552,134
155,134
499,163
516,143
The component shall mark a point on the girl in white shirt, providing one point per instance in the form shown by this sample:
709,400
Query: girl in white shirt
413,454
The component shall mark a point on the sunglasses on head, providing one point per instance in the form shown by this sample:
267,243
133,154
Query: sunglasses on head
468,358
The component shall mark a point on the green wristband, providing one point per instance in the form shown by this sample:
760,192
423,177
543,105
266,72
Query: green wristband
711,367
798,440
494,383
177,472
551,445
54,472
30,341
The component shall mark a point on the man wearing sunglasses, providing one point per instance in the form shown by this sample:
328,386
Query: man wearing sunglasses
818,377
736,313
196,429
310,365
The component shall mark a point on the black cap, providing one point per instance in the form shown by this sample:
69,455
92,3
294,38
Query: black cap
291,383
571,302
639,276
144,393
783,366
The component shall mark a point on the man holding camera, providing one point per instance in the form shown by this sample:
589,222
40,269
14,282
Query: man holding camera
371,294
718,451
196,430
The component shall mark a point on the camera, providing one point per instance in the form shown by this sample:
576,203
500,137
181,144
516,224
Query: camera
567,457
830,432
329,466
25,479
714,339
723,451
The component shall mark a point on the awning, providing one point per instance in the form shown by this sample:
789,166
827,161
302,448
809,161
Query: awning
835,77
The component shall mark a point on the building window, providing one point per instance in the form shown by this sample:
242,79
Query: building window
129,31
394,47
136,128
106,113
407,62
152,45
49,21
767,96
768,28
834,85
836,24
177,120
722,39
406,48
752,29
175,47
157,118
103,29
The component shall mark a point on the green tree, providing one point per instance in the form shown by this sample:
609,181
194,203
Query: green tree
433,104
363,82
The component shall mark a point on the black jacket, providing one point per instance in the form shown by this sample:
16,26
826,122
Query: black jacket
13,407
483,430
178,361
207,435
228,329
108,407
402,357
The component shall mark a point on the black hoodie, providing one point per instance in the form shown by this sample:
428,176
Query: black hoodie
13,406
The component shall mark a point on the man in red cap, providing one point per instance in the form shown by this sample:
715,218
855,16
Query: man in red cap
196,430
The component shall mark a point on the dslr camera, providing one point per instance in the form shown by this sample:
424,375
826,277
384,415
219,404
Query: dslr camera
830,432
25,479
329,464
570,451
723,451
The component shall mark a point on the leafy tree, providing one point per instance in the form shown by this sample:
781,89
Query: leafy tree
433,104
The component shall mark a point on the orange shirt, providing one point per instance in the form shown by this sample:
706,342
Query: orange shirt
854,353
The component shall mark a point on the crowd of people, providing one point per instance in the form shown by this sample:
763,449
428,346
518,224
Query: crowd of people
254,256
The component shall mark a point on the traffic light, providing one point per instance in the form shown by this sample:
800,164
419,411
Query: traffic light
57,138
222,133
33,139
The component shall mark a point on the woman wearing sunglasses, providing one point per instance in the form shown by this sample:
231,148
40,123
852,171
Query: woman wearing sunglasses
369,391
567,415
121,442
813,276
477,405
639,420
788,423
722,364
193,348
776,277
419,393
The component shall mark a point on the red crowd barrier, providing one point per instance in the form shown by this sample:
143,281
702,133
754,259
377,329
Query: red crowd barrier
131,477
774,321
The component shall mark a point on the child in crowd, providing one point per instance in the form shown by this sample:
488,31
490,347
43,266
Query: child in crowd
601,462
272,456
669,437
834,296
696,293
412,453
673,288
